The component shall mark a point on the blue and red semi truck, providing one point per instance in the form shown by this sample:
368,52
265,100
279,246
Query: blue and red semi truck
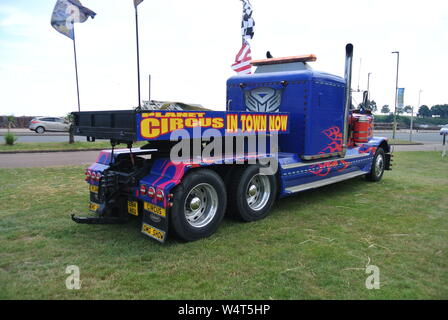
314,138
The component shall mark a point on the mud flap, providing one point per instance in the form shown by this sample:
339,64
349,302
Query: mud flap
388,160
155,222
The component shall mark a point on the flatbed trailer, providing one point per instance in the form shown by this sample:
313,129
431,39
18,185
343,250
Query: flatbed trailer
287,129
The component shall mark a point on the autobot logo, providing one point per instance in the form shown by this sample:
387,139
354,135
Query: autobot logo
263,100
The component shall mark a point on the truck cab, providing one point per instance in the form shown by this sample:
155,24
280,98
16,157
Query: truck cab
314,101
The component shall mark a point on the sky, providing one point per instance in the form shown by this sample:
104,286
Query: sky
189,46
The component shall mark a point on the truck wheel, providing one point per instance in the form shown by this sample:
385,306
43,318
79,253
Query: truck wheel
199,203
251,194
40,130
378,164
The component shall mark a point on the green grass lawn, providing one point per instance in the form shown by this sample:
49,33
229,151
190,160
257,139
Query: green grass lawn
41,146
314,245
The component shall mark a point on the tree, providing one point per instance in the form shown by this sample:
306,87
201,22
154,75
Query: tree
440,110
9,137
371,105
11,122
407,109
385,109
424,112
71,135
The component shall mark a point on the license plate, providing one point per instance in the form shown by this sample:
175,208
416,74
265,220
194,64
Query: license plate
93,206
155,209
153,232
93,188
133,207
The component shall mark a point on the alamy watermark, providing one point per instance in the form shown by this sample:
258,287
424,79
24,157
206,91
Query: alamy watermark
73,281
373,280
211,146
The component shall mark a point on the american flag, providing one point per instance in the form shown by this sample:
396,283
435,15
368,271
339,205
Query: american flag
242,63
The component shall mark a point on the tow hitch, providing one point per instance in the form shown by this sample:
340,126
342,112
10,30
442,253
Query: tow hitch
99,220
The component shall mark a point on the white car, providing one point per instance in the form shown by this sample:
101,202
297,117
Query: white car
444,129
42,124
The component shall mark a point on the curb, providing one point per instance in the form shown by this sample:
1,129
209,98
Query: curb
49,151
407,144
35,135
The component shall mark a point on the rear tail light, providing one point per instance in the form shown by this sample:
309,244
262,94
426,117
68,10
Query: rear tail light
159,195
151,192
94,175
142,190
34,121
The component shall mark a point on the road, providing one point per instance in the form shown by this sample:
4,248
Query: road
28,136
46,138
29,160
425,137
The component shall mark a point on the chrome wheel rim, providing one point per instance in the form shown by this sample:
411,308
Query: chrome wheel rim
258,192
379,165
201,205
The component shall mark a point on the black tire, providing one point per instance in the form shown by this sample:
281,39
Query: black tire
242,205
40,130
378,165
189,224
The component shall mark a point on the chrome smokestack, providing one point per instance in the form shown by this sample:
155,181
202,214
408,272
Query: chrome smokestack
348,93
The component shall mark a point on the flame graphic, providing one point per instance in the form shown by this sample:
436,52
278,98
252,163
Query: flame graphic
335,145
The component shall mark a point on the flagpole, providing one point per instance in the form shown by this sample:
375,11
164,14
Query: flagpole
242,35
76,68
138,58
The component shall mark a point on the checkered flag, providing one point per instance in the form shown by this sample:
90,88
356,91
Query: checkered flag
248,23
137,2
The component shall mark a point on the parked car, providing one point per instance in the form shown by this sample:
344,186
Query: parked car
42,124
444,129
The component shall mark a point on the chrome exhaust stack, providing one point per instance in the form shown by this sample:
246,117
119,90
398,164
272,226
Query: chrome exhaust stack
348,93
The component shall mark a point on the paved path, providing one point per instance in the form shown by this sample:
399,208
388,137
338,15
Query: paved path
425,137
26,135
422,147
28,132
28,160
